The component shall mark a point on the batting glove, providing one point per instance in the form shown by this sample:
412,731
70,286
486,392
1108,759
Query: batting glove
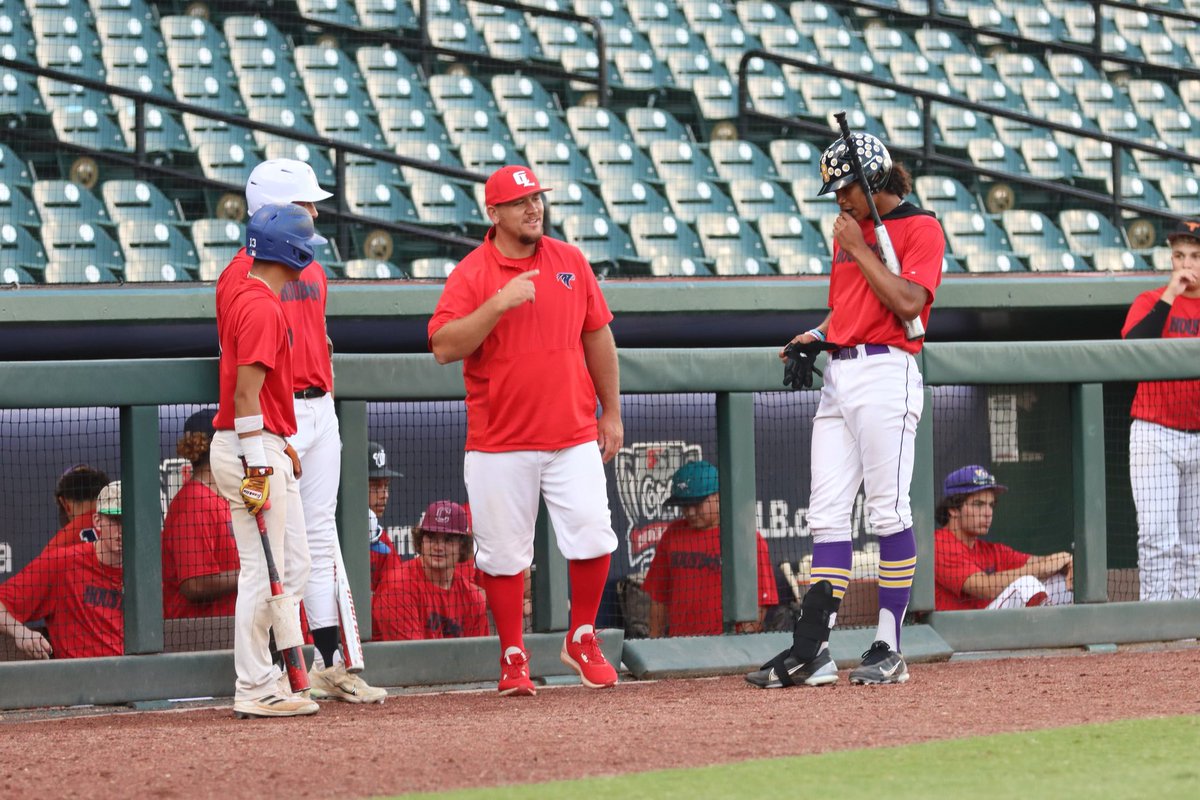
256,488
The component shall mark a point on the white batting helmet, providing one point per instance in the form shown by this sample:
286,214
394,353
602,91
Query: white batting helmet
280,181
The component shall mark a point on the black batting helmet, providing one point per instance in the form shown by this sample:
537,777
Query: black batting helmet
835,165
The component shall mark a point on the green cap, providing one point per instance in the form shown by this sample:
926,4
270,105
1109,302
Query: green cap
692,482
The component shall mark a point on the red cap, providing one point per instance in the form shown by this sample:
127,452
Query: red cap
445,516
511,183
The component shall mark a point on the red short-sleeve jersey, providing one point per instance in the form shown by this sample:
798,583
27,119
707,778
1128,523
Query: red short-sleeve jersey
954,562
1175,404
252,329
528,387
197,540
81,600
407,605
859,317
685,576
69,534
304,303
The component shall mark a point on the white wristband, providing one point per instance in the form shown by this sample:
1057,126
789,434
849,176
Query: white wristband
817,334
248,424
253,451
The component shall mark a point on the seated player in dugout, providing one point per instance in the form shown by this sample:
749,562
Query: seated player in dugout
200,558
971,572
75,495
77,589
432,596
379,480
684,579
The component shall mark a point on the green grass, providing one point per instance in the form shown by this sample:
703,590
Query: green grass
1134,758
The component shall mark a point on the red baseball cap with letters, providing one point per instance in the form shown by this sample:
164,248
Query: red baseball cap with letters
511,183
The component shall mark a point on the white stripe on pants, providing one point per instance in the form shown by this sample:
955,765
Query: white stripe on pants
256,674
1164,472
318,442
503,490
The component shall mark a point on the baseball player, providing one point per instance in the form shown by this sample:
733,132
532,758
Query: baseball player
75,495
379,479
433,595
317,439
255,469
684,579
77,589
871,401
1164,436
200,559
525,315
971,572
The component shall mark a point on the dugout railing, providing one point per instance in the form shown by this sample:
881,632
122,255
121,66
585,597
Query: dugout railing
734,376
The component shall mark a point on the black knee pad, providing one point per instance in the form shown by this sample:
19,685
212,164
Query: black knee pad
811,628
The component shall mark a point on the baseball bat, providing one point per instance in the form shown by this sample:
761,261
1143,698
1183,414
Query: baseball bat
913,328
352,652
293,657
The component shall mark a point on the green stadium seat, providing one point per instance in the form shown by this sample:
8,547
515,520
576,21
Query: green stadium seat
1056,261
1095,96
556,35
904,127
456,34
942,193
18,247
399,124
665,235
611,14
774,96
755,197
574,198
734,159
147,79
534,124
387,15
1129,124
1011,132
667,39
646,13
265,89
373,269
729,44
1182,193
956,127
715,99
1042,96
16,34
348,125
794,158
1086,230
885,42
992,261
227,163
425,151
1080,24
1068,68
690,199
994,155
671,266
623,200
17,208
432,268
814,207
726,236
258,56
1032,232
1154,165
730,265
996,93
446,204
651,124
148,269
15,276
138,200
460,91
589,124
1174,126
208,90
217,242
283,118
938,43
785,40
19,96
1095,160
680,161
335,12
77,272
602,241
518,91
641,69
621,162
487,157
584,61
77,242
68,203
14,171
194,43
1038,23
264,33
1044,159
754,15
147,240
164,133
917,71
685,68
330,89
987,17
510,40
971,232
1189,93
1013,68
1120,259
467,124
755,66
371,197
72,97
556,163
796,246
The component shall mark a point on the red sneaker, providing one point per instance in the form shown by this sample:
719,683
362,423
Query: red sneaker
586,659
514,675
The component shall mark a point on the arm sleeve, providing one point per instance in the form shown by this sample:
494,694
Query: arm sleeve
1151,325
768,593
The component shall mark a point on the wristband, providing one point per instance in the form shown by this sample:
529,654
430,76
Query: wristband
253,452
815,333
251,424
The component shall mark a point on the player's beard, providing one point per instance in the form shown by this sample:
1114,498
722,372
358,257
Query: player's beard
531,238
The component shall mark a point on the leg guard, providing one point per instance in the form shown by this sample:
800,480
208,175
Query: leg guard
818,611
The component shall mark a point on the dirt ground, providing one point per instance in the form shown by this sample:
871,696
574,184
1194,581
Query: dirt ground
438,741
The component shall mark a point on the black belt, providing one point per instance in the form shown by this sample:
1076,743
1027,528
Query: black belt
847,353
310,393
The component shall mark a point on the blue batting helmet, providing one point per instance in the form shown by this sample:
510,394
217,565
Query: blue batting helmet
284,234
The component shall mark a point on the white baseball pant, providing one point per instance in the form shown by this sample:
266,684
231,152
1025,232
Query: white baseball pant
503,489
1018,593
864,434
318,442
257,675
1164,472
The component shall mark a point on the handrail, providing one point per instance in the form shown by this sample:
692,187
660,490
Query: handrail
339,147
927,153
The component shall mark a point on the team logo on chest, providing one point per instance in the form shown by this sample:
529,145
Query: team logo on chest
566,278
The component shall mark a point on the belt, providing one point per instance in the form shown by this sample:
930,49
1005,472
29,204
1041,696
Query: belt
847,353
310,393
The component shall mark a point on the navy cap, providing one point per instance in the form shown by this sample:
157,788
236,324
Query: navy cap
971,479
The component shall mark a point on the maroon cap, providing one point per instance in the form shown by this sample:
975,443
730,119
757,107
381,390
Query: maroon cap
445,516
511,183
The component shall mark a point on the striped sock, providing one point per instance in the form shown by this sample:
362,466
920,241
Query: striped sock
897,563
831,562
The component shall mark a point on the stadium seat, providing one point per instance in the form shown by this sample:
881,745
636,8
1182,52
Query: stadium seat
1056,261
487,157
396,90
703,15
621,162
805,15
623,200
992,261
584,62
467,124
814,207
456,34
602,241
371,197
651,124
917,71
590,124
1136,190
348,125
668,39
207,131
749,266
164,133
670,266
19,96
1086,231
312,155
217,241
639,69
1182,193
725,236
936,44
774,96
1174,126
681,161
971,232
690,199
193,43
754,15
755,197
823,94
147,239
435,268
942,193
77,272
518,91
1119,259
715,99
987,17
994,155
1031,232
68,203
513,41
734,159
794,158
446,204
1042,96
1038,23
1044,159
1095,160
227,163
556,163
372,269
664,235
1011,132
14,171
1095,96
17,208
460,91
269,90
996,93
957,127
15,276
885,42
1068,68
283,118
795,245
146,268
208,90
80,242
337,13
904,127
138,200
430,152
18,247
387,15
400,124
574,198
1013,68
531,124
556,35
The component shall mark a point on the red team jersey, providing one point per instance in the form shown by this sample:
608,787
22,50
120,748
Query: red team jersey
954,562
69,534
81,600
304,307
197,540
532,345
252,329
859,317
685,576
1175,404
408,606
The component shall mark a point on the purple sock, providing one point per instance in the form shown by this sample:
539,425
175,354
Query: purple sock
831,562
897,563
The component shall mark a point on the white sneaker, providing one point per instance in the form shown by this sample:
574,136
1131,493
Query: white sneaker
275,705
335,683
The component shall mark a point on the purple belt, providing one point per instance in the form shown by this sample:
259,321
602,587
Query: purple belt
847,353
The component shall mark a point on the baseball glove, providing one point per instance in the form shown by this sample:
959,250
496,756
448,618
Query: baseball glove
801,363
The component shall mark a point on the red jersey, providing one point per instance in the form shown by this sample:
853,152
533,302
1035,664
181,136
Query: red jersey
69,534
197,540
81,600
533,346
685,576
252,329
954,562
304,308
1175,404
407,605
859,317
